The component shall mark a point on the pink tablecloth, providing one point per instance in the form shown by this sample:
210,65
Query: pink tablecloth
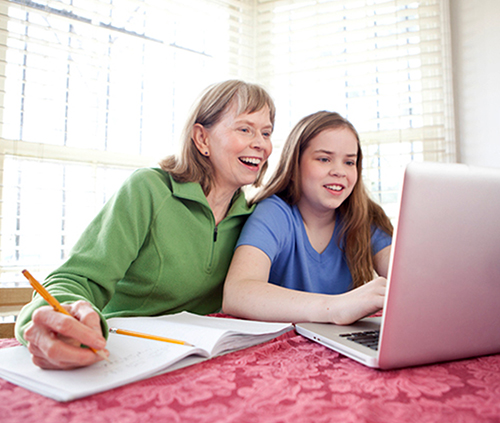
290,379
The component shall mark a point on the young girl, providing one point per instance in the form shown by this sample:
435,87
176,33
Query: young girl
310,249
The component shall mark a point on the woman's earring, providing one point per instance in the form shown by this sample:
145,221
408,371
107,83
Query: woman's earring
206,153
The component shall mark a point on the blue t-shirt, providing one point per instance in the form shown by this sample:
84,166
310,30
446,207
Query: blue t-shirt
278,230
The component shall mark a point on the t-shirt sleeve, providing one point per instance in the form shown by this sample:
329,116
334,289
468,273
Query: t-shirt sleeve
268,227
380,240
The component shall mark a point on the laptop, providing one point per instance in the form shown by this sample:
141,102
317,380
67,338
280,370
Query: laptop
443,295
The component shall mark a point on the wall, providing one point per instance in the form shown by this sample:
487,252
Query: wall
475,32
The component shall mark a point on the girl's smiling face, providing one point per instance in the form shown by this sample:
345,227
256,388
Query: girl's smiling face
328,170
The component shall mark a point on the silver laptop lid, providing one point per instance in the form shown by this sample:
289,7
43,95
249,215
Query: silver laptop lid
443,299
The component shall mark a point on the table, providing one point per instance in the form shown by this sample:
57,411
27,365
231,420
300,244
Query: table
289,379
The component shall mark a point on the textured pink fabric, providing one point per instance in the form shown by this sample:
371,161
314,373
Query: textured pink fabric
289,379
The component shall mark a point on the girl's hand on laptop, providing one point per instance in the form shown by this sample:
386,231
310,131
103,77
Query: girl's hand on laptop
359,303
55,339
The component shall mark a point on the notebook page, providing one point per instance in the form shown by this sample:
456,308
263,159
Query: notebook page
131,359
204,331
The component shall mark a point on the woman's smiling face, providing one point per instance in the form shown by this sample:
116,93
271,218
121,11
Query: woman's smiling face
238,146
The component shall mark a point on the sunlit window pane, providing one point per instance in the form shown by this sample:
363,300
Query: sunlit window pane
92,89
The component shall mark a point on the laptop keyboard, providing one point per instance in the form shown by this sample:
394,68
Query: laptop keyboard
368,338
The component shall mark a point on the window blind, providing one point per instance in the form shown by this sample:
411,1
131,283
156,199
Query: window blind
383,64
89,91
92,89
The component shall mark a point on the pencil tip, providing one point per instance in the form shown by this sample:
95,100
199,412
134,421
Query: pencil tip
101,354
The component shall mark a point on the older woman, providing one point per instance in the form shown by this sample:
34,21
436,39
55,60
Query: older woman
163,243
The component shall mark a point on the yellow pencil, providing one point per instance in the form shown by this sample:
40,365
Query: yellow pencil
146,336
54,303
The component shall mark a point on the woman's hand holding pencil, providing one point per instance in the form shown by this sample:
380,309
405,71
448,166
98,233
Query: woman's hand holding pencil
55,337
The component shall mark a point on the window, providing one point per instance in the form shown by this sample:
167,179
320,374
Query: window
383,64
92,89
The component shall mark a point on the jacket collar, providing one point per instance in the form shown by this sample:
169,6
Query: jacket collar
192,191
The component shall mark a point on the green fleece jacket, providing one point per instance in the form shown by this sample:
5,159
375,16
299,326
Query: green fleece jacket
153,249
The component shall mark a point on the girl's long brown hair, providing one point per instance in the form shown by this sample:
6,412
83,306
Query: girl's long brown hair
359,214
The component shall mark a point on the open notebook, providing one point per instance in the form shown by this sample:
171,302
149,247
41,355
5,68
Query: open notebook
132,358
442,300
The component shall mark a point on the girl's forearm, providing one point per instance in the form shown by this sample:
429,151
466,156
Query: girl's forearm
264,301
258,300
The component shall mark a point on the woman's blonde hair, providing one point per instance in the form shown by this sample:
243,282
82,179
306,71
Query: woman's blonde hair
191,165
359,214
